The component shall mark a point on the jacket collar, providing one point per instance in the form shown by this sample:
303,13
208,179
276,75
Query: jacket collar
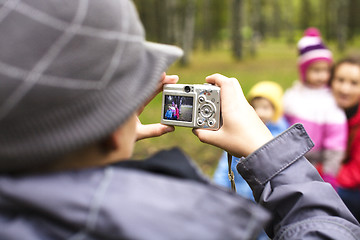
173,163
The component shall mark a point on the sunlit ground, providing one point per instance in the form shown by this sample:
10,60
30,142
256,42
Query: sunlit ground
275,61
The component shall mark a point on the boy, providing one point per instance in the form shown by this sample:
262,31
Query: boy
71,90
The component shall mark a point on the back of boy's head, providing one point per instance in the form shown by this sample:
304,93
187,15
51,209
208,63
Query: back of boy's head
71,72
311,49
271,91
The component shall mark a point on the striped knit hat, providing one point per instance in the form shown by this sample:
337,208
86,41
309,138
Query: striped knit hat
311,48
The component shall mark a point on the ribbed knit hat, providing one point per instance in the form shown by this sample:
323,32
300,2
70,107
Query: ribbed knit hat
311,48
71,72
273,92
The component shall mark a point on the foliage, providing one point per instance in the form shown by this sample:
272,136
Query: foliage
165,21
270,30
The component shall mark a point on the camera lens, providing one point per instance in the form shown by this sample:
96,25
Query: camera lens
187,89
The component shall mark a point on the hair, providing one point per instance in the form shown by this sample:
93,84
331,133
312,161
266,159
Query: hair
255,98
353,60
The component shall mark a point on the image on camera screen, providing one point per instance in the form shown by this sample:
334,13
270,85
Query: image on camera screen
178,108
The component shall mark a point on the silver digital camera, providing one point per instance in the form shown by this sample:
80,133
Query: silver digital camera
191,105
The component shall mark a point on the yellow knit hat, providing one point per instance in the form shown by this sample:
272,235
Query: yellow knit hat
271,91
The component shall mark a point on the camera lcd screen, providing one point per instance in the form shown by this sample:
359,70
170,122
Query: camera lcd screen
178,108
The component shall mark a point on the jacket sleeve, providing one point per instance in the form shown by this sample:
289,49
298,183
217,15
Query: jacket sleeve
303,206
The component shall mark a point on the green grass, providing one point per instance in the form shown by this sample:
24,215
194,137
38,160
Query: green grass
275,61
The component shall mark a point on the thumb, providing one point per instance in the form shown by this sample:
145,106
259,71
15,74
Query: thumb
152,130
206,136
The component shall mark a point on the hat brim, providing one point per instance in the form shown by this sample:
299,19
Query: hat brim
89,118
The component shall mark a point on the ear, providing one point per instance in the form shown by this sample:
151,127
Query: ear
112,142
115,139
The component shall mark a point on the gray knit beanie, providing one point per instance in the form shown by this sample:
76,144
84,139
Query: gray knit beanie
71,72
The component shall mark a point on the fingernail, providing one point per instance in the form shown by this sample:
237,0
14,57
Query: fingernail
174,76
169,129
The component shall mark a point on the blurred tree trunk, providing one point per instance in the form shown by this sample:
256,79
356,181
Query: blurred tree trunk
353,19
330,13
188,32
342,19
289,22
255,26
206,25
262,19
276,22
172,21
306,14
160,21
147,18
237,48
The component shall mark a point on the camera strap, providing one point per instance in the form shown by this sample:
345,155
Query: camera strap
231,173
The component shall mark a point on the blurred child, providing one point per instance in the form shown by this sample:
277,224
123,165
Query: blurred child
345,84
310,102
168,114
173,110
266,99
177,112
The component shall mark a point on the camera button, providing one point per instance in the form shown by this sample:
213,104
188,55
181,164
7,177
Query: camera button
200,121
206,111
201,99
211,122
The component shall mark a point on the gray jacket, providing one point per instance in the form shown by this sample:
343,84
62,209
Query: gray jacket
166,197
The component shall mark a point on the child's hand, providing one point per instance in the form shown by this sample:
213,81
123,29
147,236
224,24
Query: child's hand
242,131
157,129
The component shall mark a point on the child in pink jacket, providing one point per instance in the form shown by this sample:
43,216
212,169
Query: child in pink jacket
310,102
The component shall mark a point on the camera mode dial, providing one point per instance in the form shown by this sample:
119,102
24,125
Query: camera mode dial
206,110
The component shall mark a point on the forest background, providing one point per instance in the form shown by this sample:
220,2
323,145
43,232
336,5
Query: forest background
252,40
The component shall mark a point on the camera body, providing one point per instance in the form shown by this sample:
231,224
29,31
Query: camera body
191,105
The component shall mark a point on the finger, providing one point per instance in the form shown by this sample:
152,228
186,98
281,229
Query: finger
227,85
165,79
216,79
170,79
206,136
152,130
231,92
